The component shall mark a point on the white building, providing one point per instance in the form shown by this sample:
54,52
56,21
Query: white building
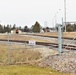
14,31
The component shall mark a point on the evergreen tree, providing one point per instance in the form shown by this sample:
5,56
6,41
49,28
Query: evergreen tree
14,26
4,28
69,28
74,27
36,27
20,28
1,28
26,29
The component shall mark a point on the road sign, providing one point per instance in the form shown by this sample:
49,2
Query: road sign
32,43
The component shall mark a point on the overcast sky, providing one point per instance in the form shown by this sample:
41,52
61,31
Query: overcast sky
27,12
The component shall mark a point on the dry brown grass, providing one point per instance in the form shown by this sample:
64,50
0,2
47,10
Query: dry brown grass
24,56
27,38
22,38
65,34
69,34
18,54
19,37
48,34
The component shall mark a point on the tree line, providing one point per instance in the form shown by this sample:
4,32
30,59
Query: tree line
34,28
7,28
69,28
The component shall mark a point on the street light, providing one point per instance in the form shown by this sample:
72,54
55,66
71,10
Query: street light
53,23
65,14
55,18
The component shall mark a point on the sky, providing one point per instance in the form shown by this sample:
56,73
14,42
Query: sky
27,12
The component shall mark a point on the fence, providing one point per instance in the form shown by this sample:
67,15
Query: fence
15,49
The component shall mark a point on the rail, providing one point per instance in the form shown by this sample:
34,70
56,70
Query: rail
55,45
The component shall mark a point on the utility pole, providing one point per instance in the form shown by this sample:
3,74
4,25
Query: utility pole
8,49
56,19
65,14
60,39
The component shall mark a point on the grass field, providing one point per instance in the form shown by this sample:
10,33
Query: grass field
27,38
22,56
18,55
21,38
64,34
21,69
28,70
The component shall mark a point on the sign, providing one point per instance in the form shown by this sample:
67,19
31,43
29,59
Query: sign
32,43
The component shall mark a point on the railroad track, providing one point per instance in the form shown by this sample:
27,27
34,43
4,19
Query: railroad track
65,46
55,45
70,38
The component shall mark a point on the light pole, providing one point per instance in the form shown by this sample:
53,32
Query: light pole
56,17
54,20
65,14
53,23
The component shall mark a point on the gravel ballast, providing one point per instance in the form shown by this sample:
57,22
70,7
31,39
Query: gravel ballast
66,62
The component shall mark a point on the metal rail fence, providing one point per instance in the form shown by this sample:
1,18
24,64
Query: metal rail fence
15,52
